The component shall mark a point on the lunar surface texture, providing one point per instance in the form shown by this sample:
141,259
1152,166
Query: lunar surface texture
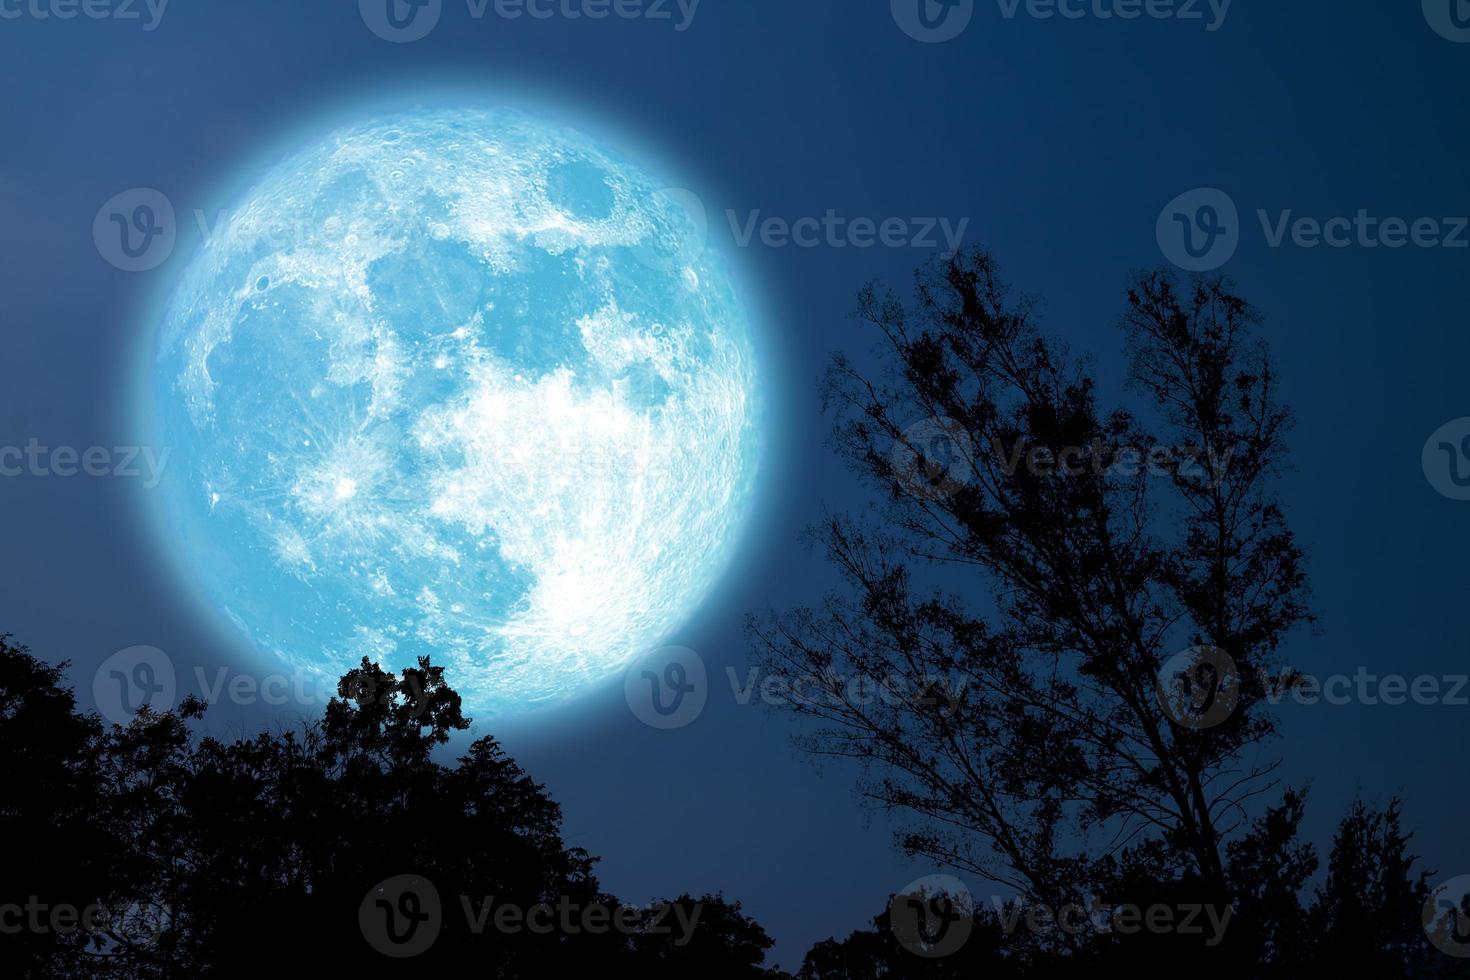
460,383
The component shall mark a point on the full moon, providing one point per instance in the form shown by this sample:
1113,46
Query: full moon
458,382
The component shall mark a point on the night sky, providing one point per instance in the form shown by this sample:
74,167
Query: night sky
1057,142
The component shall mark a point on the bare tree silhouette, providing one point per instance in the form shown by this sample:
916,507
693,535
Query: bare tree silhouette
1098,572
1083,716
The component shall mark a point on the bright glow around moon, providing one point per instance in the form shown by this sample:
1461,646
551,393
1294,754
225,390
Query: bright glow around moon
457,382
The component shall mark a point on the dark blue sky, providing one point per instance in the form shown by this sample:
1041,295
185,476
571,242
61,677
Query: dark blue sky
1060,140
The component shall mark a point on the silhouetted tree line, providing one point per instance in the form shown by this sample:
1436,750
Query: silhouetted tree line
1053,769
214,859
1362,921
256,857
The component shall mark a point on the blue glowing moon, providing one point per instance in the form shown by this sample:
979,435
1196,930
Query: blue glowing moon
457,382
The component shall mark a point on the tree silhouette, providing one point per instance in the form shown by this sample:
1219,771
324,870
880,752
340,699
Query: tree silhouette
1366,918
877,953
1269,867
233,858
1362,922
1098,575
1083,718
50,783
